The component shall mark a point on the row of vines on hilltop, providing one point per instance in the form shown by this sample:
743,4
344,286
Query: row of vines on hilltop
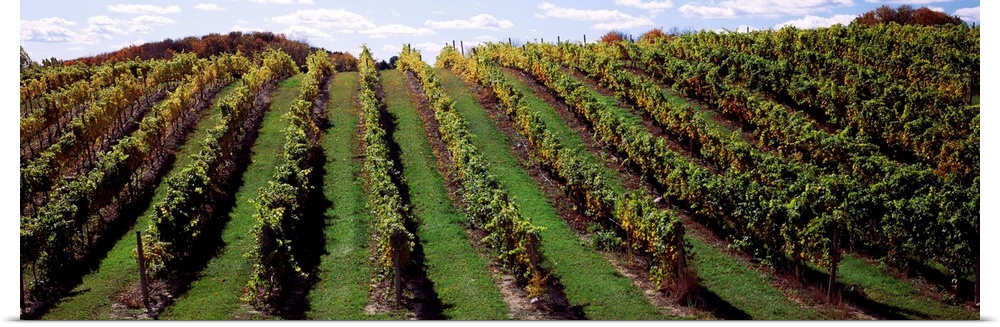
79,212
40,84
281,206
177,232
110,116
921,109
47,112
513,239
655,233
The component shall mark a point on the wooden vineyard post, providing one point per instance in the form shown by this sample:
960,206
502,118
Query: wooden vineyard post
977,281
509,42
462,44
682,260
585,39
533,253
142,274
558,39
397,279
835,260
20,274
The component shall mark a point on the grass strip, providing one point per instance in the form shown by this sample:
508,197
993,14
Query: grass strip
896,298
460,275
341,292
590,282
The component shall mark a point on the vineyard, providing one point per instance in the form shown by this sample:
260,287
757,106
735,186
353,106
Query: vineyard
823,174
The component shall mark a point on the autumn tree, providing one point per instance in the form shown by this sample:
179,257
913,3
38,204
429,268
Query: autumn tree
906,15
653,36
615,36
344,62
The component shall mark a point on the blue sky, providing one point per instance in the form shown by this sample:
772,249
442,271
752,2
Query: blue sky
69,29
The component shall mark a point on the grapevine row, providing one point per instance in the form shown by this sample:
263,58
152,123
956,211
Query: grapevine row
513,238
657,234
393,242
281,205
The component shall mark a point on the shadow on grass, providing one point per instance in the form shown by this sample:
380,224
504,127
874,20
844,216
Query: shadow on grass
706,300
857,297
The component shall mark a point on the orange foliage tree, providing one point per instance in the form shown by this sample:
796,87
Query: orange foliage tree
906,15
653,35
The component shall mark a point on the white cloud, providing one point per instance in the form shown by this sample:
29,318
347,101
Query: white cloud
284,2
907,2
306,33
246,29
51,29
608,19
481,21
689,10
122,46
392,48
208,7
624,25
811,21
968,14
384,31
652,6
438,12
762,8
143,9
152,20
425,47
937,9
105,27
325,18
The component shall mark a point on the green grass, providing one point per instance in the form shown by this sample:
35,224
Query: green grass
716,270
341,291
461,277
589,280
216,294
92,299
742,288
901,298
